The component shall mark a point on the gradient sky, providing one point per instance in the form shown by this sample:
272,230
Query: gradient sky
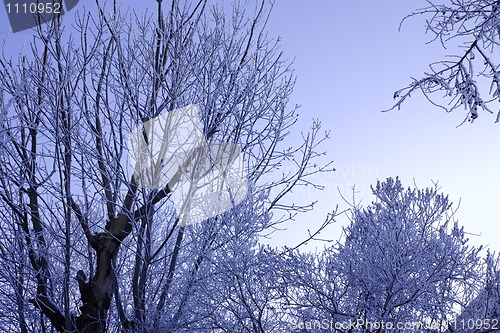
349,59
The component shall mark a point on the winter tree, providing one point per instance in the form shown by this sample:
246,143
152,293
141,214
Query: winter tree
481,312
403,260
469,79
86,244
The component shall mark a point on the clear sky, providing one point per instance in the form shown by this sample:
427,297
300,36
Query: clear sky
349,60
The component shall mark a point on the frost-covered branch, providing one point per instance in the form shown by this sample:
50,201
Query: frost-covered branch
463,82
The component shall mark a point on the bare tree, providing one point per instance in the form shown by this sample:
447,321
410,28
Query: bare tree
481,314
402,263
83,242
470,78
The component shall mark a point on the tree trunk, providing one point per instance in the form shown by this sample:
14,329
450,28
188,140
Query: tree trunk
97,294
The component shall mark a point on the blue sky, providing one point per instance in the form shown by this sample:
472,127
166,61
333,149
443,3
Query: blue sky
349,59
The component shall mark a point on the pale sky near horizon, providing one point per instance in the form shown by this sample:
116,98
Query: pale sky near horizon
349,59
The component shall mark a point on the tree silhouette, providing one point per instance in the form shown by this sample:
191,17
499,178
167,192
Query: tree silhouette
83,242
